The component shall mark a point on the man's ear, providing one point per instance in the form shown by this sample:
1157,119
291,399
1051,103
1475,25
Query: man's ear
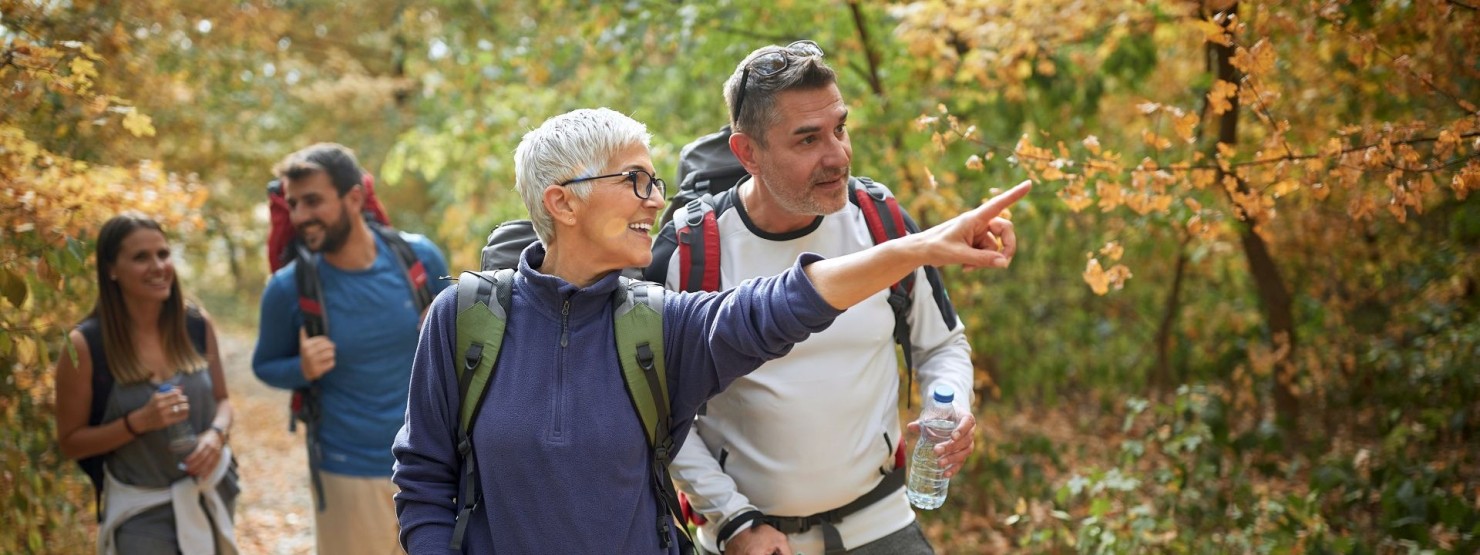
355,199
744,146
561,204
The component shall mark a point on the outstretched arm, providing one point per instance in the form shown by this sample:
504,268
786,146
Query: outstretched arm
970,240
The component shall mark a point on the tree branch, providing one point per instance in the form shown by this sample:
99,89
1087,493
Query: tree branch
874,82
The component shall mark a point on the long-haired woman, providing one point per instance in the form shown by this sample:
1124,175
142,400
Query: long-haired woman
146,370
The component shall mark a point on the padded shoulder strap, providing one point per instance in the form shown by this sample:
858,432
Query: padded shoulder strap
195,327
638,320
310,291
638,314
483,300
698,241
411,266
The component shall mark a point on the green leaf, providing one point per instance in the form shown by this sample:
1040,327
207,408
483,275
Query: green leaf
14,288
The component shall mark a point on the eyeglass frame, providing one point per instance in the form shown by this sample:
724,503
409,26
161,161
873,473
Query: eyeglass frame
631,175
786,54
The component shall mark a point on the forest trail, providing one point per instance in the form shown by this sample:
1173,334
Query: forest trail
273,514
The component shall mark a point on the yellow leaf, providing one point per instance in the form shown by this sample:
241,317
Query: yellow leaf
84,68
1285,187
1112,250
1156,142
1075,197
25,349
1186,125
1092,143
1212,32
1111,195
1218,96
1095,276
974,163
138,124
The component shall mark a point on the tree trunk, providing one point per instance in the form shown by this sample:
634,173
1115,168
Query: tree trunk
1162,377
1274,296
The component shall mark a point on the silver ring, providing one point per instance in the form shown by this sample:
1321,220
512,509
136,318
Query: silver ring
177,408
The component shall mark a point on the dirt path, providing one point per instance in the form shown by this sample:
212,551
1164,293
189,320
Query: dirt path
273,514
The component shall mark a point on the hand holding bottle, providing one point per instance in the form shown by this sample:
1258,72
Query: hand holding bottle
954,451
939,423
181,434
165,408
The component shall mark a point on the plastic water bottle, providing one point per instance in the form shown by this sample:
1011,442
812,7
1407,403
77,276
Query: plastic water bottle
181,435
928,485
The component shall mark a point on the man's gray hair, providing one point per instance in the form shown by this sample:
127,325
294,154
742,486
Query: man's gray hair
758,113
572,145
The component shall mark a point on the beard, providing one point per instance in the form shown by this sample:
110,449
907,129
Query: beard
802,198
335,236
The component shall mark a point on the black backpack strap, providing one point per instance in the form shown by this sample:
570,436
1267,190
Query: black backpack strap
410,265
832,540
886,221
102,388
303,405
310,291
195,328
483,302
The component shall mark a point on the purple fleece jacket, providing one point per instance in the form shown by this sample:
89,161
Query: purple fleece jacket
562,461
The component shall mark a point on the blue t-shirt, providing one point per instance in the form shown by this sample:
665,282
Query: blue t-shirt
374,322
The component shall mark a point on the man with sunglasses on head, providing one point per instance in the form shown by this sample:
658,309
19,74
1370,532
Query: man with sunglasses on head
790,459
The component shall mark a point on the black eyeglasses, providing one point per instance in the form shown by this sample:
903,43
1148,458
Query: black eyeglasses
771,63
643,183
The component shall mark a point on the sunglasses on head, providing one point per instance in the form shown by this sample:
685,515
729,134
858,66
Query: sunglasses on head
771,63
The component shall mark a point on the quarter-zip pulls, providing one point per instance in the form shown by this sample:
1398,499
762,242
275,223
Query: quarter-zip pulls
557,427
565,324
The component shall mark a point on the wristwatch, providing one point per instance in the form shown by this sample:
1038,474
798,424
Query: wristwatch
225,437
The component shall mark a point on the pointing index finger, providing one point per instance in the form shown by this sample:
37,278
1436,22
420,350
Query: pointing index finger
997,204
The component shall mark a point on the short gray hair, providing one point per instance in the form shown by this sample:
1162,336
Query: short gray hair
575,144
759,112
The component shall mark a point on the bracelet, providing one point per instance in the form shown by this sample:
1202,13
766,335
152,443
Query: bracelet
221,432
128,426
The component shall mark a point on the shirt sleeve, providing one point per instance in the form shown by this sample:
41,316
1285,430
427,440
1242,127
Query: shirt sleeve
711,492
710,339
942,355
275,359
426,468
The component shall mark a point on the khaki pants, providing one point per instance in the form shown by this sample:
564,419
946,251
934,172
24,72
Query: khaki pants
359,516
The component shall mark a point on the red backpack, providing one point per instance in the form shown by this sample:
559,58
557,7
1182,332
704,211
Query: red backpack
283,247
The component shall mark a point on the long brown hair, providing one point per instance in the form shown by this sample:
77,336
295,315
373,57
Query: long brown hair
112,313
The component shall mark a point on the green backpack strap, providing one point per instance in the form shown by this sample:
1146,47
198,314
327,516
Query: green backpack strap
638,321
483,300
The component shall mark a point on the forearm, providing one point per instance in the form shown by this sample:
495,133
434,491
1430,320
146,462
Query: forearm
711,492
225,415
285,373
848,280
104,438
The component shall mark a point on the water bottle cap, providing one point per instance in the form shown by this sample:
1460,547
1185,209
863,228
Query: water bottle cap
943,394
166,387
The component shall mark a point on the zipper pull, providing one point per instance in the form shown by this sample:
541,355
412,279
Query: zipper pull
565,324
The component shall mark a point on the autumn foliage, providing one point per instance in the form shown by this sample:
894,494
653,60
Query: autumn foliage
1246,315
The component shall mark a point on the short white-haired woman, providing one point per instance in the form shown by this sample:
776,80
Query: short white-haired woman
562,462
